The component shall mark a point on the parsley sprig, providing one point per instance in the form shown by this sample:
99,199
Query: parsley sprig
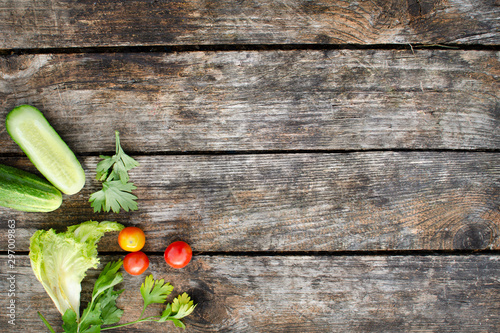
102,311
156,291
116,191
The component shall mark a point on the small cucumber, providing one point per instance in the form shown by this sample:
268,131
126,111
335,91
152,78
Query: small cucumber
45,148
27,192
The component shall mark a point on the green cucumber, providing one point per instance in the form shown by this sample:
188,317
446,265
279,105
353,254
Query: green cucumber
47,151
27,192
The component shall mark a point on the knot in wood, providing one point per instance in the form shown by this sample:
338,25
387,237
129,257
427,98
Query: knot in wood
473,237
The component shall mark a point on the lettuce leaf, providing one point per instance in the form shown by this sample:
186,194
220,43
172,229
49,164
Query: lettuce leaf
60,260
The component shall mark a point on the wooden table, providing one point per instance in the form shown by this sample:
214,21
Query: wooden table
333,164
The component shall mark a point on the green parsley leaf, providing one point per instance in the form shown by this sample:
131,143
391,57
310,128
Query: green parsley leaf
110,314
108,278
92,329
102,308
114,194
121,167
104,295
102,168
182,306
113,172
155,291
178,323
91,319
165,315
69,319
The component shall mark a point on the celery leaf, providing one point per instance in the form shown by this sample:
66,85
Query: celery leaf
116,192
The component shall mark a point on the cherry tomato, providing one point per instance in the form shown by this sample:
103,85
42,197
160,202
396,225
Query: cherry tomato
178,254
136,263
131,239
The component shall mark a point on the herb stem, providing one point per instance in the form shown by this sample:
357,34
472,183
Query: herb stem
86,313
142,313
117,140
131,323
46,323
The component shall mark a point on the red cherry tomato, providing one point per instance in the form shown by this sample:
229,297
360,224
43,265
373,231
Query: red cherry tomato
131,239
135,263
178,254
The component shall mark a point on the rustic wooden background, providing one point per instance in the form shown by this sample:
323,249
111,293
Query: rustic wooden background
333,164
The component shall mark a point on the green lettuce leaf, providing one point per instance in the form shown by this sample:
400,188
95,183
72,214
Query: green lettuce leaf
60,260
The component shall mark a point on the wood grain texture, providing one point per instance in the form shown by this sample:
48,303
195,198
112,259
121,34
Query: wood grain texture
300,294
255,101
298,202
65,23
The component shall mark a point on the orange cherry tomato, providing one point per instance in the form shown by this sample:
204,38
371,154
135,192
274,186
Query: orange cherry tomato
178,254
131,239
136,263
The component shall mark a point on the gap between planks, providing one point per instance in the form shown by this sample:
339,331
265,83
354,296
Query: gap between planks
244,47
380,253
271,152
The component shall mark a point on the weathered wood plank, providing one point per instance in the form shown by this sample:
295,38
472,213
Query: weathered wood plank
276,100
300,294
65,23
299,202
